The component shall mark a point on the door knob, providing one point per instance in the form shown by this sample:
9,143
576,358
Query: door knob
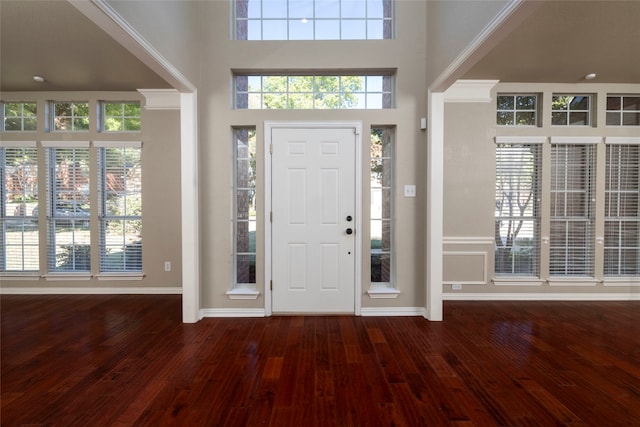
349,231
349,218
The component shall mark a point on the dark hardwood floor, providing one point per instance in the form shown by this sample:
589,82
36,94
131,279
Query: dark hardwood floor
128,360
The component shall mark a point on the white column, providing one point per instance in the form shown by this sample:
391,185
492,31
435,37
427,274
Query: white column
435,198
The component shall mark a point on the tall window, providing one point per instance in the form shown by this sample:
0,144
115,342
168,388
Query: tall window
69,116
517,215
19,116
120,116
68,209
623,110
120,197
313,92
19,240
572,210
313,19
571,110
622,211
517,110
244,153
381,205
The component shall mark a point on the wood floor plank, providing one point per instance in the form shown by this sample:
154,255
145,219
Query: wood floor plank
105,360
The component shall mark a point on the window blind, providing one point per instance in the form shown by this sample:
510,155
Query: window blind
68,208
19,241
572,208
517,214
622,211
120,209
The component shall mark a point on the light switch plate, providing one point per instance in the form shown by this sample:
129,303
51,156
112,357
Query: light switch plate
409,191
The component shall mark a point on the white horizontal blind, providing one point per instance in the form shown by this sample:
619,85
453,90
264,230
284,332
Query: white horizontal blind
19,241
120,217
517,215
622,211
68,209
572,210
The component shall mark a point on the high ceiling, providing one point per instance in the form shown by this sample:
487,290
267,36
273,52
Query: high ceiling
561,41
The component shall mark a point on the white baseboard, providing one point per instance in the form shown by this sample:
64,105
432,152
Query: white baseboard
467,296
90,291
232,312
392,311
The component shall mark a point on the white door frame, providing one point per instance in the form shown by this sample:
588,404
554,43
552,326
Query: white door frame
268,254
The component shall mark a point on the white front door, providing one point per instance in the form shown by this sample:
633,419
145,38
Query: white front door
313,207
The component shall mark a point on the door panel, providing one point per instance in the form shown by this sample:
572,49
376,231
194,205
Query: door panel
313,193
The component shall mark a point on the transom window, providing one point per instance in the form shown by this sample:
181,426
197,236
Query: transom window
70,116
313,19
571,110
19,116
120,116
623,110
517,110
313,92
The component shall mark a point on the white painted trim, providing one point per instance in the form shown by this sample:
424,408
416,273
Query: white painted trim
190,207
521,139
591,296
470,91
584,281
626,140
19,276
393,311
576,139
66,144
435,203
232,312
18,144
128,144
514,12
352,124
382,291
67,277
104,16
91,291
242,293
518,281
621,281
161,99
119,276
468,253
467,240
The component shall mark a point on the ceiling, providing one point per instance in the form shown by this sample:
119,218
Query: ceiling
561,41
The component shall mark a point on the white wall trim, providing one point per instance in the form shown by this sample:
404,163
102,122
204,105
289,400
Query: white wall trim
592,296
514,12
18,144
521,139
104,16
392,311
243,293
630,140
576,139
138,290
382,291
449,240
232,312
161,99
470,91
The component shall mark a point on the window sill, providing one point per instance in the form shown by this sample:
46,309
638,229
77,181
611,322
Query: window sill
517,281
19,276
60,277
243,293
573,281
621,281
383,291
120,276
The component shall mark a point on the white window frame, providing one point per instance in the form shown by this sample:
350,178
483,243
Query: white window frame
22,117
621,111
73,117
569,110
514,112
122,117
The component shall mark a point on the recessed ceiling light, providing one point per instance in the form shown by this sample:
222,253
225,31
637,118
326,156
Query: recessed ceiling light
38,79
590,76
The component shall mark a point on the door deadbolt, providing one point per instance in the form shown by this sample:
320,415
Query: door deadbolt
349,218
349,231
